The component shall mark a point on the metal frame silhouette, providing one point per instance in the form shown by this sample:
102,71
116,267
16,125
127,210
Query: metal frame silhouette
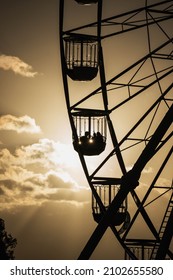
124,23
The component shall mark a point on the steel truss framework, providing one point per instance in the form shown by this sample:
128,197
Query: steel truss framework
146,80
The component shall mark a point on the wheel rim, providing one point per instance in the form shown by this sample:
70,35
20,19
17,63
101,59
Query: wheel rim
131,127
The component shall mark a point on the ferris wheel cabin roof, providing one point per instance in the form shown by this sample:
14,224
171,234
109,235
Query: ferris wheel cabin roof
77,37
82,112
86,2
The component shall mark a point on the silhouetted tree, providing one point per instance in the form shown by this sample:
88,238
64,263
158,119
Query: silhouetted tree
7,243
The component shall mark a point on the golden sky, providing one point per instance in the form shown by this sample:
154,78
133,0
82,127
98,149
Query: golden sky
44,197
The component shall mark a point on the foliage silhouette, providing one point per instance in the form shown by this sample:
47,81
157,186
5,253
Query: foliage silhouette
7,243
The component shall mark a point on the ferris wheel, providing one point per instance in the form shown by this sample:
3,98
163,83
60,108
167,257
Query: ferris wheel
118,82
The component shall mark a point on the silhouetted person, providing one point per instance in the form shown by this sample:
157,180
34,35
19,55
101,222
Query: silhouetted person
87,134
99,137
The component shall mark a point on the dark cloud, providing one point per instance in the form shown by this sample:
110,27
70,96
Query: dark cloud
1,191
9,184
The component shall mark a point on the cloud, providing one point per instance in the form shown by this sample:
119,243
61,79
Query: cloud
47,154
19,124
39,173
17,66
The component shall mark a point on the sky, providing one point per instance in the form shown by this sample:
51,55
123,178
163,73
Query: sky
44,196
